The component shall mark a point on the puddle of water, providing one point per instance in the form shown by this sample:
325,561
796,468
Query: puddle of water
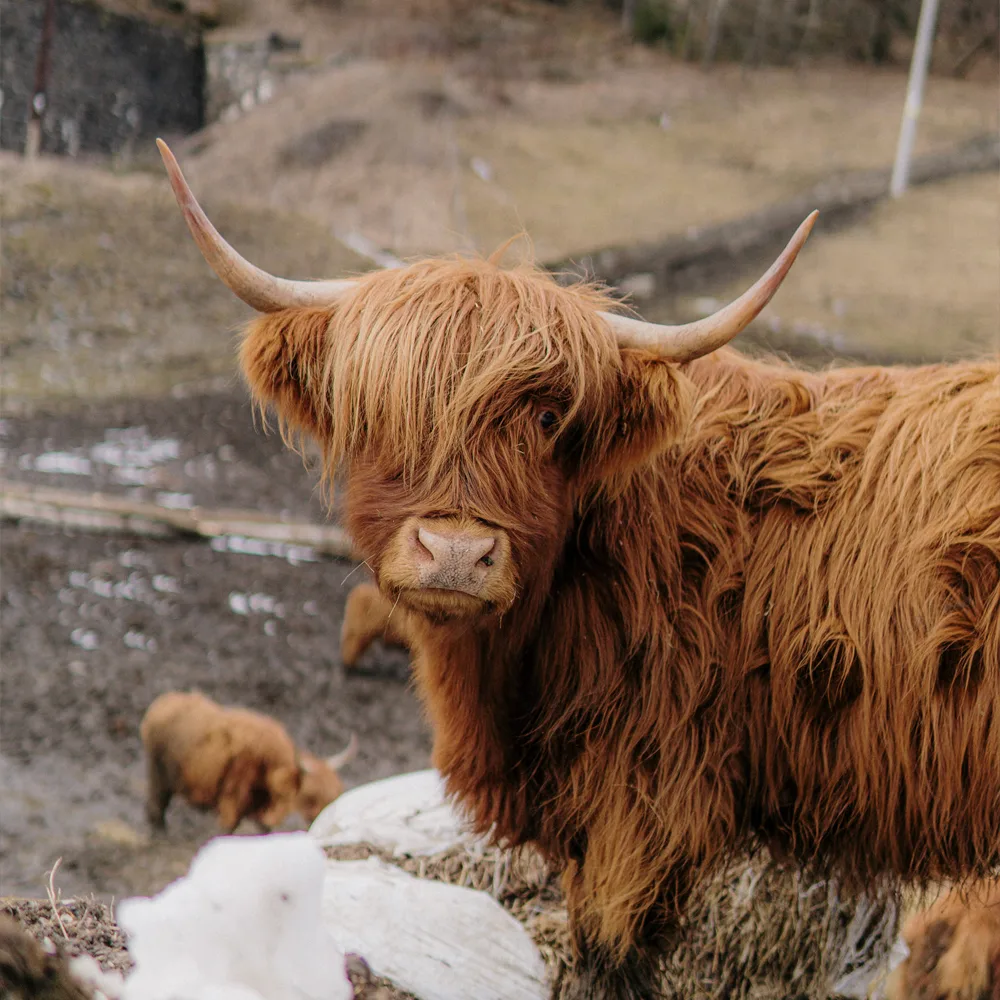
57,463
294,554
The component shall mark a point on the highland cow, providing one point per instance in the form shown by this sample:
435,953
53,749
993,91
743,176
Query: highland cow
239,763
665,601
954,948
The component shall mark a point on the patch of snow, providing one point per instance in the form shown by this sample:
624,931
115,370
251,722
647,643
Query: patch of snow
245,922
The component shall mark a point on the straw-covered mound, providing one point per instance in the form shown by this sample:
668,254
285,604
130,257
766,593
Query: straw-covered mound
755,932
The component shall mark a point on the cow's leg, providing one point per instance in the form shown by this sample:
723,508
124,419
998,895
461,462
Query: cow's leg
600,974
369,616
625,922
159,792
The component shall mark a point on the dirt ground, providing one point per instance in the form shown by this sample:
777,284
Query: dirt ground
95,626
913,281
118,346
422,158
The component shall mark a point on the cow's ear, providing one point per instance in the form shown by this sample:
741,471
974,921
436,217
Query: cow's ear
282,358
651,410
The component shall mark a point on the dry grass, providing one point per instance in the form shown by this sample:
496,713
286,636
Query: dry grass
84,927
104,293
917,280
755,932
580,163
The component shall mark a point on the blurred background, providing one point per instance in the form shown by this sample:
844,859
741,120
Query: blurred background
668,147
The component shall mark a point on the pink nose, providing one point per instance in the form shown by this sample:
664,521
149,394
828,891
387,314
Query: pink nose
450,557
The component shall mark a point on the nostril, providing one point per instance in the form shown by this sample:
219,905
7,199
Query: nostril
482,550
423,542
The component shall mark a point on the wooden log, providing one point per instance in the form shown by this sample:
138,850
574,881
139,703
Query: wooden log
104,512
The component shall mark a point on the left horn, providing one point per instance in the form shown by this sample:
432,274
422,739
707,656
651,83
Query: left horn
263,291
693,340
337,761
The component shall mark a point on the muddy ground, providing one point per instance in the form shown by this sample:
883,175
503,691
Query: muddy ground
95,626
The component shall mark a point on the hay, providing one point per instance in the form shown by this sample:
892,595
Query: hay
90,928
754,932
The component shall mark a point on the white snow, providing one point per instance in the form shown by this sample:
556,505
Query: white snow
243,924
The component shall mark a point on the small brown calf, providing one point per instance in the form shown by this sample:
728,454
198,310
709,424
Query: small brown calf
237,762
954,948
367,617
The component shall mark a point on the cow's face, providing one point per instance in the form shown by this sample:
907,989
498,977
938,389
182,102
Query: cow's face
466,539
470,411
320,786
472,408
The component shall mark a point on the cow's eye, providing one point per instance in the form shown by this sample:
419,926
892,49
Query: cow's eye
547,419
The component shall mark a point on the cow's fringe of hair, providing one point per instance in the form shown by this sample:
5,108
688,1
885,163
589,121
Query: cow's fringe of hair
458,330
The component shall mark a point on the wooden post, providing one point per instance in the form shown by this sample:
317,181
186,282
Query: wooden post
39,96
628,17
914,96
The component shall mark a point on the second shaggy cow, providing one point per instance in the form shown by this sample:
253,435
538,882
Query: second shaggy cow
237,762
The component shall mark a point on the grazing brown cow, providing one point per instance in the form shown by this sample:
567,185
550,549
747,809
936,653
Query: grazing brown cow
665,601
238,762
954,948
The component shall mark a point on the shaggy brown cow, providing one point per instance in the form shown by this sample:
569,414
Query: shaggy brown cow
238,762
954,948
664,600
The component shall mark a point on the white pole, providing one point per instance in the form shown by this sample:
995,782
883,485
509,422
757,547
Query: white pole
914,96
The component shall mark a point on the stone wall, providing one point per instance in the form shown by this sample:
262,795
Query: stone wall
244,69
114,79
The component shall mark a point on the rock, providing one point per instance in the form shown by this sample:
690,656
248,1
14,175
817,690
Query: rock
405,814
437,941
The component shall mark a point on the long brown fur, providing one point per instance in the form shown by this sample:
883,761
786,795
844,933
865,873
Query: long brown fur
753,602
237,762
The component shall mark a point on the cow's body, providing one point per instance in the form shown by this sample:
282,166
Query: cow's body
660,606
786,627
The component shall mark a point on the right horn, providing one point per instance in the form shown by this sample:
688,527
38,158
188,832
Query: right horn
263,291
337,761
693,340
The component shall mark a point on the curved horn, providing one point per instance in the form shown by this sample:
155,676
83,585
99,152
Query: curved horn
685,343
263,291
338,760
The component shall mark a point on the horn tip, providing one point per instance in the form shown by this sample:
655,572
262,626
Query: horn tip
810,221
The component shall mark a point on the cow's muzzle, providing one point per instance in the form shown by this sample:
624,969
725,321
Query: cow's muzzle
434,560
